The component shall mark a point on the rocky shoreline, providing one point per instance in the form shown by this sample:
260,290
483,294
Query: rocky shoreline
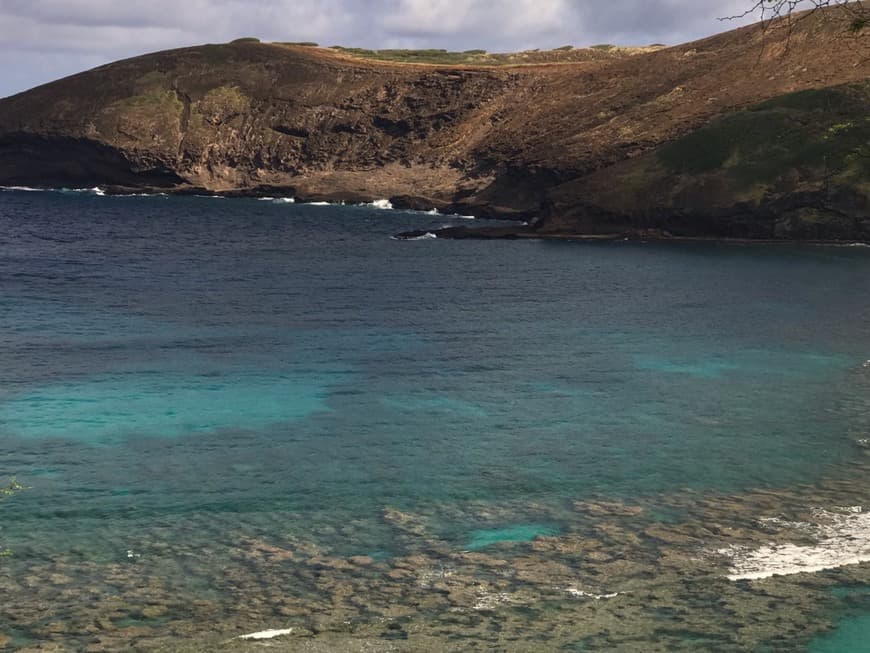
520,226
530,233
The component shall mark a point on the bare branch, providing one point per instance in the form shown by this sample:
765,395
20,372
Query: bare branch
786,15
768,11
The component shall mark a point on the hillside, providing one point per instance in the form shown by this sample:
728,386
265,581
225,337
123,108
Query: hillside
796,166
699,139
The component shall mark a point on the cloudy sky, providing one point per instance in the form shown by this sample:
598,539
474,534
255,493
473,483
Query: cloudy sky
42,40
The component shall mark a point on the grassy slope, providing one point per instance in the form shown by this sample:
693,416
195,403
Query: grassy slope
800,142
819,134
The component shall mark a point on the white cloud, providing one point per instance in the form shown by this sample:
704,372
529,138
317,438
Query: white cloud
27,34
469,17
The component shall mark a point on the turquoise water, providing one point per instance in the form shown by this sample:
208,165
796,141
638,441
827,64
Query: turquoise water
112,408
217,369
482,539
850,635
851,632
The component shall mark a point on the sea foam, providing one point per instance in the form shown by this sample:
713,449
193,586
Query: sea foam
95,190
844,539
278,200
580,594
26,189
267,634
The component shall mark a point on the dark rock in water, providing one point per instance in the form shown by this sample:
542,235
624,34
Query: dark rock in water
262,191
461,232
639,143
415,203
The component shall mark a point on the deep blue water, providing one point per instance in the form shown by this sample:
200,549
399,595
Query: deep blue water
163,355
165,359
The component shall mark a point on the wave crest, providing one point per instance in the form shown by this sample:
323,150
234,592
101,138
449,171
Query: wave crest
844,539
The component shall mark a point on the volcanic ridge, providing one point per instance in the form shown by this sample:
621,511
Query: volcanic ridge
753,133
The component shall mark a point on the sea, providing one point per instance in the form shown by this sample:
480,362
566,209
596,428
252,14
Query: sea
235,417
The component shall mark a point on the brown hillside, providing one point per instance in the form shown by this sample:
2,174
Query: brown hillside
507,140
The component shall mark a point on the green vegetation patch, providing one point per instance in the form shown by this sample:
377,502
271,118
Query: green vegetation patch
153,80
153,106
433,56
223,102
230,96
825,131
149,118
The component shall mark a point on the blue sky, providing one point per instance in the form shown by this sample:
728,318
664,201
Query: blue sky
42,40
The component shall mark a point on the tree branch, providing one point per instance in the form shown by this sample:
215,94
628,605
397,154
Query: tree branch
772,10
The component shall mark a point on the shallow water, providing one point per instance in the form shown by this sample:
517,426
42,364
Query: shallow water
852,635
184,382
851,632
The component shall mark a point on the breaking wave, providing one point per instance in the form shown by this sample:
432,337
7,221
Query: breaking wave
278,200
843,539
25,189
96,190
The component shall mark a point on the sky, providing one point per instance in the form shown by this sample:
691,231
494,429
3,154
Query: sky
43,40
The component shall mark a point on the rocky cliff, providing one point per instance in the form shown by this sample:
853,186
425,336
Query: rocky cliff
749,133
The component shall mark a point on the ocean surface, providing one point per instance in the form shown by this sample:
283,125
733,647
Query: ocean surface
219,405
